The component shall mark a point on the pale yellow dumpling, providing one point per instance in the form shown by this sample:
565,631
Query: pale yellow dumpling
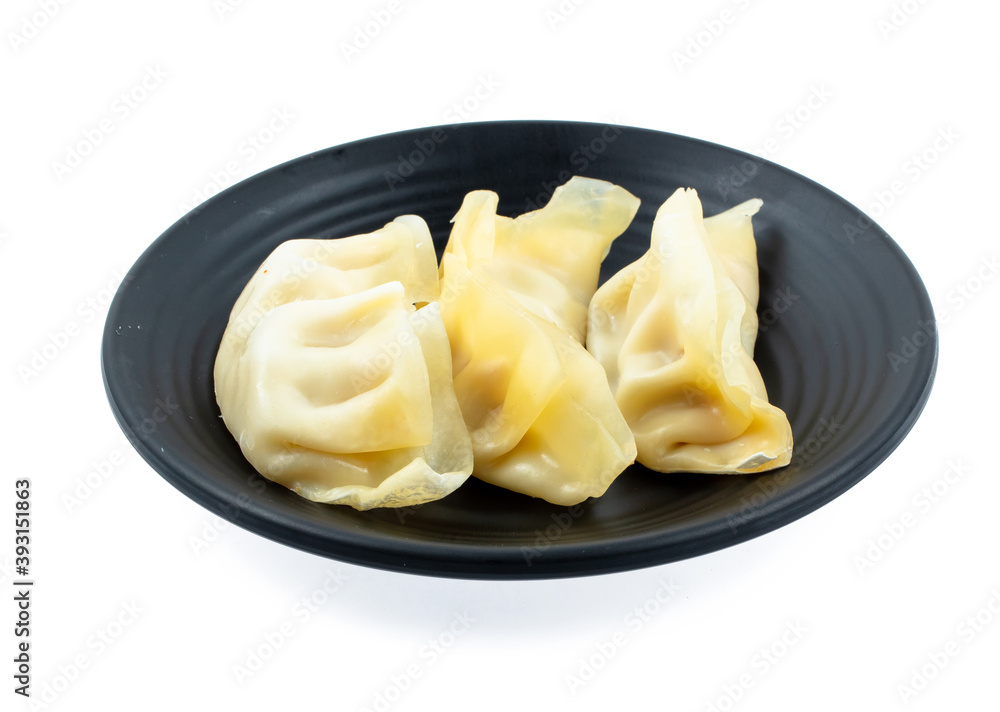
334,384
307,269
542,418
549,260
349,401
675,332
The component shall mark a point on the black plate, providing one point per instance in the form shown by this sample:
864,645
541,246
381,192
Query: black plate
848,347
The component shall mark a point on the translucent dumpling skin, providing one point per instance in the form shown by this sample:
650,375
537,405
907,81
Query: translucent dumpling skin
548,260
675,332
331,381
542,418
304,269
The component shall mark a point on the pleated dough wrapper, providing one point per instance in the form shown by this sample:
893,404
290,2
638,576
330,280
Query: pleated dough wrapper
304,270
675,332
333,384
350,401
549,259
542,418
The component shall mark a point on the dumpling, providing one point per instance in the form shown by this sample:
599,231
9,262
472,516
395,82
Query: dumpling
549,259
675,332
305,269
333,384
349,400
542,418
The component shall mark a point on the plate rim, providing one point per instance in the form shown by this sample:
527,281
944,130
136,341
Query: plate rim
561,559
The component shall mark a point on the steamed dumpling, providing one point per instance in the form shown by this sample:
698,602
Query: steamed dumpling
542,418
331,381
549,259
349,400
305,269
675,332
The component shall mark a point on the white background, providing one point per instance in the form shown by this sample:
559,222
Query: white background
214,76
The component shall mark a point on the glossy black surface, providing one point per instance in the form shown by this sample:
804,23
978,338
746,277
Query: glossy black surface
842,298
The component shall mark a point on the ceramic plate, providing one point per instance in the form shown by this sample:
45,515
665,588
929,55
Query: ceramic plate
839,302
